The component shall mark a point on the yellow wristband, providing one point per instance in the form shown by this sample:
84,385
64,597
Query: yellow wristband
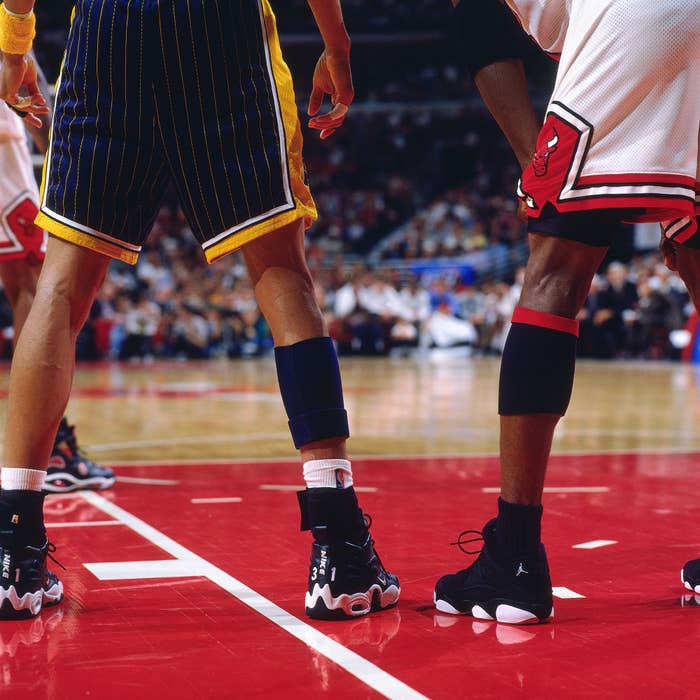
16,33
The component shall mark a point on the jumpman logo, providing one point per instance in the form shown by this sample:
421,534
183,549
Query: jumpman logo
521,570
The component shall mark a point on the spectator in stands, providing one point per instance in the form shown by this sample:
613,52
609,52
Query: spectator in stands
190,334
141,321
614,313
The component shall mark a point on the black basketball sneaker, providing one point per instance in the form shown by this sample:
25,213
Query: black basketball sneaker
69,469
515,591
346,576
26,585
690,575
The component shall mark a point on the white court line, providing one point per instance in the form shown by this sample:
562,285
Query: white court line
558,489
593,544
353,663
84,523
297,487
221,499
153,482
565,593
127,570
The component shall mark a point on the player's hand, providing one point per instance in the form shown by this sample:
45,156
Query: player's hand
333,77
19,88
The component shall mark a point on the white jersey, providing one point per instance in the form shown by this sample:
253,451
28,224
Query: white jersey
623,124
19,195
11,126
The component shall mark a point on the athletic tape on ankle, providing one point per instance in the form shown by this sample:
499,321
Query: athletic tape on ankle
537,367
21,479
312,393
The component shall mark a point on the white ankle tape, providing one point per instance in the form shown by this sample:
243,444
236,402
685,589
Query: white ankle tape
328,473
21,479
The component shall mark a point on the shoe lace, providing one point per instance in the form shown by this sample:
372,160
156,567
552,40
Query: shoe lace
50,550
462,542
368,524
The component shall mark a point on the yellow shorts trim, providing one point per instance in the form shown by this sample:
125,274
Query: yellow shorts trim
238,240
84,240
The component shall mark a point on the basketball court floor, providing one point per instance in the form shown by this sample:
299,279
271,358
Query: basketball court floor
186,580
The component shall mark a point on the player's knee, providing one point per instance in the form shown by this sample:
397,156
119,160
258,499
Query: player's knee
281,250
60,298
559,293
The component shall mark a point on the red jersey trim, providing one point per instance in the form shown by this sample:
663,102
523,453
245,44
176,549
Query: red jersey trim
656,196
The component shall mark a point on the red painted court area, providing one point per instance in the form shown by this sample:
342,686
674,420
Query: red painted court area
169,594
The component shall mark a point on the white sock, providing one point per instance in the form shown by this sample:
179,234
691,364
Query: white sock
21,479
328,473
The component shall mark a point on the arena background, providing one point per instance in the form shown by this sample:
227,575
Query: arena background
418,244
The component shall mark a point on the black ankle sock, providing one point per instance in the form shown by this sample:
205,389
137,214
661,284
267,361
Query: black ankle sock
22,517
518,528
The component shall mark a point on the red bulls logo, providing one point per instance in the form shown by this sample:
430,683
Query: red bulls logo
540,161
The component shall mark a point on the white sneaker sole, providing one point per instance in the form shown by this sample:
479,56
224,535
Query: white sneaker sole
95,483
31,602
352,604
506,614
688,585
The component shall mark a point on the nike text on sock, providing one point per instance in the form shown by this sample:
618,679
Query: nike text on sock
328,473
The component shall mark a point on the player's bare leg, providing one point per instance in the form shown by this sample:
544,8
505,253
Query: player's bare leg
44,360
309,378
69,469
510,581
19,279
557,279
284,290
40,381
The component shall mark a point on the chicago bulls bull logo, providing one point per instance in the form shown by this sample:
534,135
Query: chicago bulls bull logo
540,161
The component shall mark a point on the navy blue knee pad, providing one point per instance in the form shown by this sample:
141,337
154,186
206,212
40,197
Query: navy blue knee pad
309,379
537,368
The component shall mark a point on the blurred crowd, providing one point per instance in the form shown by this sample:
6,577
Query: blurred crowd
630,312
407,161
173,305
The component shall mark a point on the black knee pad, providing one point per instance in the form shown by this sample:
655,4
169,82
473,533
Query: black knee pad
537,368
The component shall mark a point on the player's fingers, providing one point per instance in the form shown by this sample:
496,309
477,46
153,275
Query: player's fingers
316,100
26,104
31,78
332,119
325,133
33,120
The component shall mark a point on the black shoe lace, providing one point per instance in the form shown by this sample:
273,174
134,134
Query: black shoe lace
368,524
461,542
49,552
